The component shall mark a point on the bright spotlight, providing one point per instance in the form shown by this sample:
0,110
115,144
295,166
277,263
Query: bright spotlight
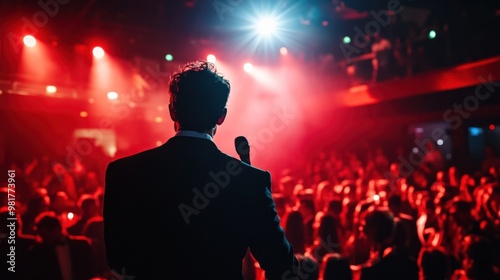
84,114
266,26
283,51
432,34
112,95
50,89
346,40
169,57
98,52
248,67
211,58
29,41
440,142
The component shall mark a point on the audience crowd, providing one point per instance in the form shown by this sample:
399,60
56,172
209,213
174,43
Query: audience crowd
347,217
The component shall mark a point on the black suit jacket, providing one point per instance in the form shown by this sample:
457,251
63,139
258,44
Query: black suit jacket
185,210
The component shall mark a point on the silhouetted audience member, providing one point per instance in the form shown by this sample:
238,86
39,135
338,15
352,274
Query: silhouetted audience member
308,268
37,204
336,267
388,263
94,230
60,256
478,262
411,243
308,211
89,208
434,264
16,263
282,207
327,239
295,232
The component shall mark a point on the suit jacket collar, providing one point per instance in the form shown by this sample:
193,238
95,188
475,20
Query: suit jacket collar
194,134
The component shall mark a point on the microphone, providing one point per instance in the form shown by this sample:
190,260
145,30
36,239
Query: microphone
242,148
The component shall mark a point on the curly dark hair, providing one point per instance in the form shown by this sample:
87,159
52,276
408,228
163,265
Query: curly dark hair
198,95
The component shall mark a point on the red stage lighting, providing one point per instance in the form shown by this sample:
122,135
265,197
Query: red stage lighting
29,41
248,67
51,89
112,95
98,52
211,58
283,51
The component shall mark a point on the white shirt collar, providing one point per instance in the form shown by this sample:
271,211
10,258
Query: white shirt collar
195,134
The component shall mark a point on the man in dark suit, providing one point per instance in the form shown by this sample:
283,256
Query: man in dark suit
186,210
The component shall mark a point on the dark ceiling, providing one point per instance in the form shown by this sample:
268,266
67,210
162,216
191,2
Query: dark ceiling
153,27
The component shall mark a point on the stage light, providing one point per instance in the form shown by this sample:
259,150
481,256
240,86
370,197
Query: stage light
211,58
440,142
283,51
158,119
29,41
266,26
248,67
432,34
112,95
475,131
70,216
325,23
492,127
376,197
346,40
169,57
98,52
84,114
51,90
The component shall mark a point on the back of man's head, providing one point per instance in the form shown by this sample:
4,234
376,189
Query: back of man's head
198,96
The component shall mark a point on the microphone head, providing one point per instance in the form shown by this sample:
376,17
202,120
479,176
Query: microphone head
242,146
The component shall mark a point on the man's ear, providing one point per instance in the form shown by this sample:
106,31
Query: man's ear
222,117
172,112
